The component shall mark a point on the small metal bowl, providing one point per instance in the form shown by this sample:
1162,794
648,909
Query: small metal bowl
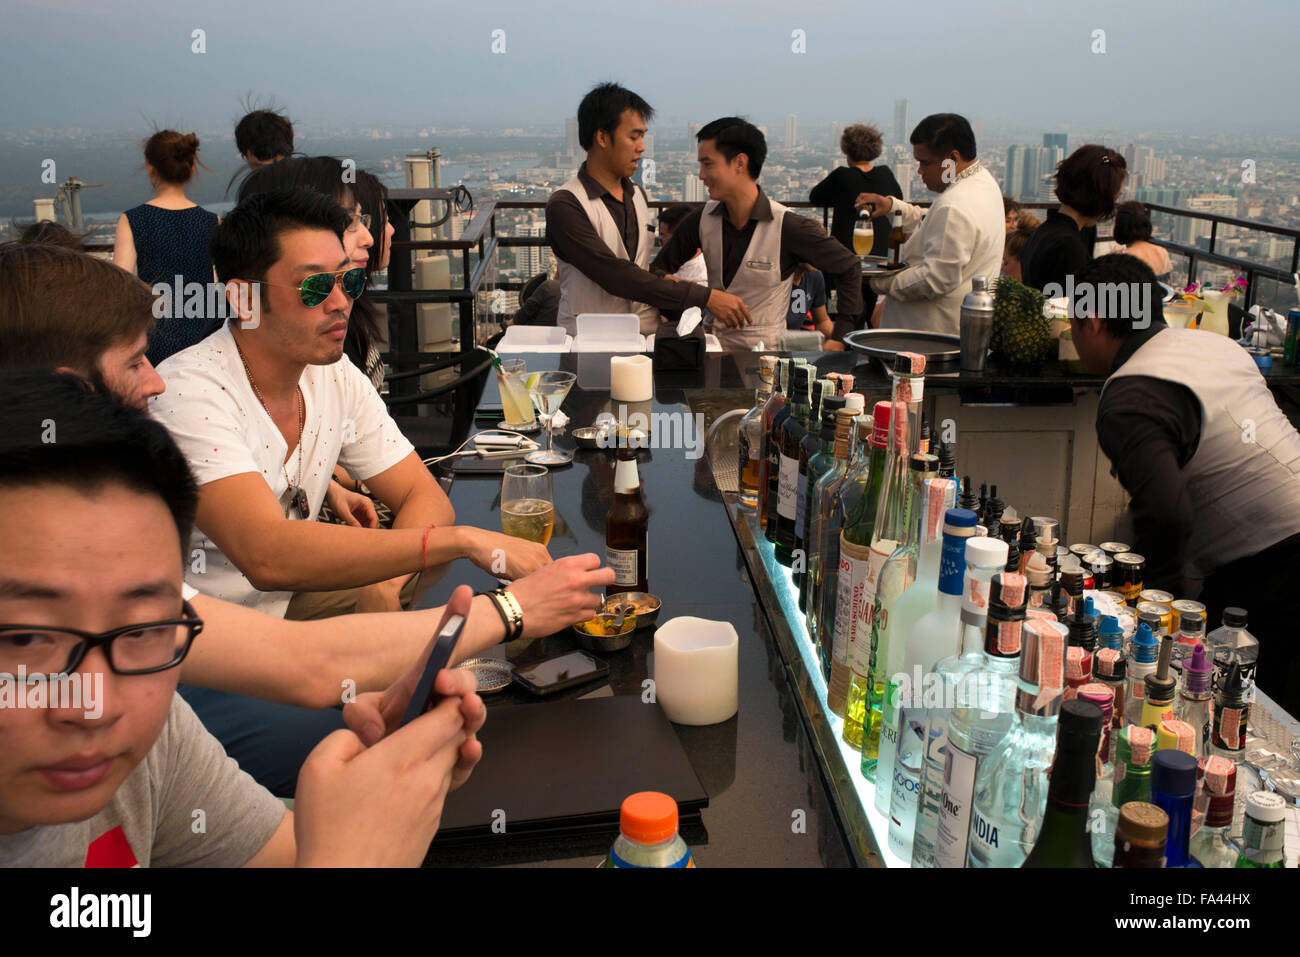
493,674
646,605
606,642
587,437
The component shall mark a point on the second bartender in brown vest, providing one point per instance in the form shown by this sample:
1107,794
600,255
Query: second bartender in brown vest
751,244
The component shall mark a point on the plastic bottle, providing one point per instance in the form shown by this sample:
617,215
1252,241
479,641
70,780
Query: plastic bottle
648,837
1232,638
1173,786
1195,704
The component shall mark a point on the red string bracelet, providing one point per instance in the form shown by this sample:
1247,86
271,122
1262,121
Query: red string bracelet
424,549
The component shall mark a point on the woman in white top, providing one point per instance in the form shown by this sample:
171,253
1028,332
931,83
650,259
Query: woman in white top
1133,233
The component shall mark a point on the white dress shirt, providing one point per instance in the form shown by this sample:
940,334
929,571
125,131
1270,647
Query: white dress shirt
959,238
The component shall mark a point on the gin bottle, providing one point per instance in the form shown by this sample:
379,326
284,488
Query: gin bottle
1011,784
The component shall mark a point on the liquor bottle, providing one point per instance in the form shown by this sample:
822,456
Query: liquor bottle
1009,528
858,495
1111,669
789,434
1263,833
968,499
1140,836
1173,785
819,463
1191,632
1210,845
1142,661
985,706
749,440
913,735
1159,690
626,535
896,237
1027,532
890,522
1011,784
1195,704
939,633
777,411
947,460
993,516
1103,813
938,496
1062,839
1083,642
809,445
827,522
1231,712
896,575
985,557
1035,568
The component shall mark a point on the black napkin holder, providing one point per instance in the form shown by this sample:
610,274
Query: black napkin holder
674,353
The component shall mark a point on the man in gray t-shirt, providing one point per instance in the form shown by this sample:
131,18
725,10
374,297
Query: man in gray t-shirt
101,763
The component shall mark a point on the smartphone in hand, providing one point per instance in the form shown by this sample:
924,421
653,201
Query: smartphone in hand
424,698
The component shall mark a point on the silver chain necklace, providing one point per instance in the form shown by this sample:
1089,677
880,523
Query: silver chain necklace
297,497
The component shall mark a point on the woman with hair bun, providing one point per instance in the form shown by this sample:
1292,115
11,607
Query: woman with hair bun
168,237
1088,182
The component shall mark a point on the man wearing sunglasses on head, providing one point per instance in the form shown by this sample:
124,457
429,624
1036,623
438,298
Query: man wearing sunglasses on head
263,410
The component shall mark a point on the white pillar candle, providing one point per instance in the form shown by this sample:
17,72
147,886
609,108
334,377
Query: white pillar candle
631,378
696,670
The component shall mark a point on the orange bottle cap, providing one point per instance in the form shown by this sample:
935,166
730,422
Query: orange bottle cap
648,817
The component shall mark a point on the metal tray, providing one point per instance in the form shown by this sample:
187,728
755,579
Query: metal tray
942,351
873,266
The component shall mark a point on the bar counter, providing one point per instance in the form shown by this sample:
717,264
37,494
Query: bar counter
783,789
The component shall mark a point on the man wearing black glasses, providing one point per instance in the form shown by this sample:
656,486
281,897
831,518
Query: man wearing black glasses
96,506
263,410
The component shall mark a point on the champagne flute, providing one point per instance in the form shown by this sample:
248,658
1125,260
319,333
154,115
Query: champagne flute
864,234
548,390
527,507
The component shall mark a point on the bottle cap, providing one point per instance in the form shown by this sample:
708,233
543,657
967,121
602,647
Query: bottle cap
1039,572
1042,668
880,431
1219,788
1192,622
1100,695
1135,746
648,817
1266,807
1079,728
1083,632
959,518
1173,772
1110,663
1145,644
1151,620
989,552
1175,735
1159,689
1110,634
833,403
923,462
1197,672
1234,617
1008,595
1142,824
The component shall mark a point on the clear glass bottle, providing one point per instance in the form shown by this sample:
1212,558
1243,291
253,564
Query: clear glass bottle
826,522
916,600
749,443
1263,833
1011,785
1210,845
897,572
985,557
905,780
1195,704
1143,652
985,707
886,533
858,498
1191,632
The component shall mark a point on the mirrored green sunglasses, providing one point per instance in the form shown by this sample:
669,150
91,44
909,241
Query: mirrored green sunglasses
316,288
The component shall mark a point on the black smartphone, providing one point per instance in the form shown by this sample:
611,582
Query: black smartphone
424,697
556,674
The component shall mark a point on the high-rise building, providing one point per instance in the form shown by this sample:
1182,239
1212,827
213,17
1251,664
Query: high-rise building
1190,230
1057,139
531,260
837,130
1013,179
693,190
902,121
571,146
649,140
905,172
791,131
1027,167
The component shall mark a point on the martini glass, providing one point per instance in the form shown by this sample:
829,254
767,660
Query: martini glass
548,390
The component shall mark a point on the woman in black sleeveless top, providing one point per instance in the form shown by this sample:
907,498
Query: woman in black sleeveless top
167,238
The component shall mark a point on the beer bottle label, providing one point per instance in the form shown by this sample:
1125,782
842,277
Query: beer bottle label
624,565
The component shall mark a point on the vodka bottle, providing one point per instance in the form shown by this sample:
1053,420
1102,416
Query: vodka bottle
1210,845
1011,783
985,557
1195,704
886,533
1142,662
916,600
983,714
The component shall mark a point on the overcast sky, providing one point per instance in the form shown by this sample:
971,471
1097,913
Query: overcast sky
1167,64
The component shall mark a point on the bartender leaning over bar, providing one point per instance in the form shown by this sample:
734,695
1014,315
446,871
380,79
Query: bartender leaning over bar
752,245
598,224
1211,462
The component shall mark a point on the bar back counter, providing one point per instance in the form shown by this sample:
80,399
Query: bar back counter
783,790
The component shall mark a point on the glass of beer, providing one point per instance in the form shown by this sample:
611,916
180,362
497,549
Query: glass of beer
527,509
864,233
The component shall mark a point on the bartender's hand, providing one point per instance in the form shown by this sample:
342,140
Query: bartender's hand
880,205
728,309
559,594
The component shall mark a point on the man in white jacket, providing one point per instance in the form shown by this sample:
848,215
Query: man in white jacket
959,238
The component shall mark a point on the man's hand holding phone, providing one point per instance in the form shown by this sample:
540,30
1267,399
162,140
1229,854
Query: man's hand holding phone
373,795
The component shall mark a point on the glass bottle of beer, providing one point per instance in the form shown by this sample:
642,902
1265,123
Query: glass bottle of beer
896,234
790,434
626,535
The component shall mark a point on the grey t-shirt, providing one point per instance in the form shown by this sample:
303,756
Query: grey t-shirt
151,820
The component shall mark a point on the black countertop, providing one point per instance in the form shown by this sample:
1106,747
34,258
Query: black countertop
759,768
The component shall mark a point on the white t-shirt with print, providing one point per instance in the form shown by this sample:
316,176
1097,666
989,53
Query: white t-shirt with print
211,411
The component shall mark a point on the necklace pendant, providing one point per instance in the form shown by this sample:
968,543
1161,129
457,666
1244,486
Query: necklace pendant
298,502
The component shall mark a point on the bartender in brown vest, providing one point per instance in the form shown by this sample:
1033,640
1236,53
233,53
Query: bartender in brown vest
599,226
751,244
